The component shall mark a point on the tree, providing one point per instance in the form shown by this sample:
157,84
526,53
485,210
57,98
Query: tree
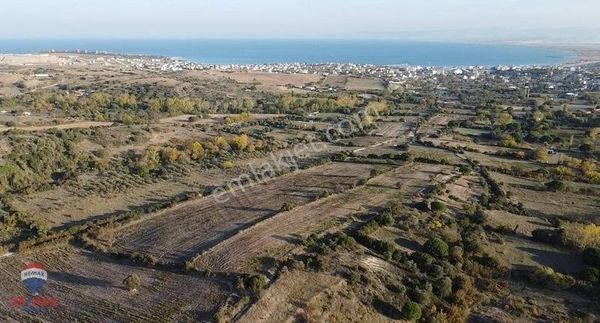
346,101
151,158
377,108
170,155
503,119
240,142
538,116
228,164
175,106
257,283
221,143
587,148
591,274
127,119
366,121
125,100
443,287
436,247
155,105
438,207
595,134
412,311
591,256
508,141
133,282
541,154
196,151
556,186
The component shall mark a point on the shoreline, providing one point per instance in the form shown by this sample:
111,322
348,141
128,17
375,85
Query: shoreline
578,54
583,53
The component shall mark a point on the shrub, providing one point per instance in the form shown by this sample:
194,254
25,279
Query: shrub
456,253
556,186
438,207
436,247
228,164
256,283
443,287
385,219
582,235
547,236
547,277
590,274
591,256
412,311
286,207
541,154
132,282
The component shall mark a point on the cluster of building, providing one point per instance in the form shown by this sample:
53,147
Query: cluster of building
560,80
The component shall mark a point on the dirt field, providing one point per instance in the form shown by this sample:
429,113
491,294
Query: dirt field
263,78
82,201
524,224
277,236
179,233
356,84
393,129
571,205
493,161
89,287
522,253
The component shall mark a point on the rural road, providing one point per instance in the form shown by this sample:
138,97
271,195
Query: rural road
79,124
8,254
374,145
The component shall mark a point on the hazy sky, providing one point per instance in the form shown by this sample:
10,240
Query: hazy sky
406,19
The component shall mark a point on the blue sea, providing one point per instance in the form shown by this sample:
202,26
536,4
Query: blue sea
379,52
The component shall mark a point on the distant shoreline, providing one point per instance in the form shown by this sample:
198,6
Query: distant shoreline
380,53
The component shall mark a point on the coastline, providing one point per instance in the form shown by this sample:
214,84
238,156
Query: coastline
583,53
390,53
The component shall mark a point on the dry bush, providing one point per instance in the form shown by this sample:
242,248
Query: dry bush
582,235
546,276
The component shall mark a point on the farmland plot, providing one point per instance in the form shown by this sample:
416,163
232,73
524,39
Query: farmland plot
279,235
179,233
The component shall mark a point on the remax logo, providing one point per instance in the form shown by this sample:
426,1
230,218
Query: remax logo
34,278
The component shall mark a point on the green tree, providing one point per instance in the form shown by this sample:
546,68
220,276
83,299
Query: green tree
587,148
438,207
503,119
125,100
412,311
556,186
591,274
436,247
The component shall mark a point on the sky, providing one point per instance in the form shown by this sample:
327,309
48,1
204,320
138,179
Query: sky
463,20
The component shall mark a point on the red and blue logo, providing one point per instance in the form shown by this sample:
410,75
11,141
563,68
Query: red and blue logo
34,277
